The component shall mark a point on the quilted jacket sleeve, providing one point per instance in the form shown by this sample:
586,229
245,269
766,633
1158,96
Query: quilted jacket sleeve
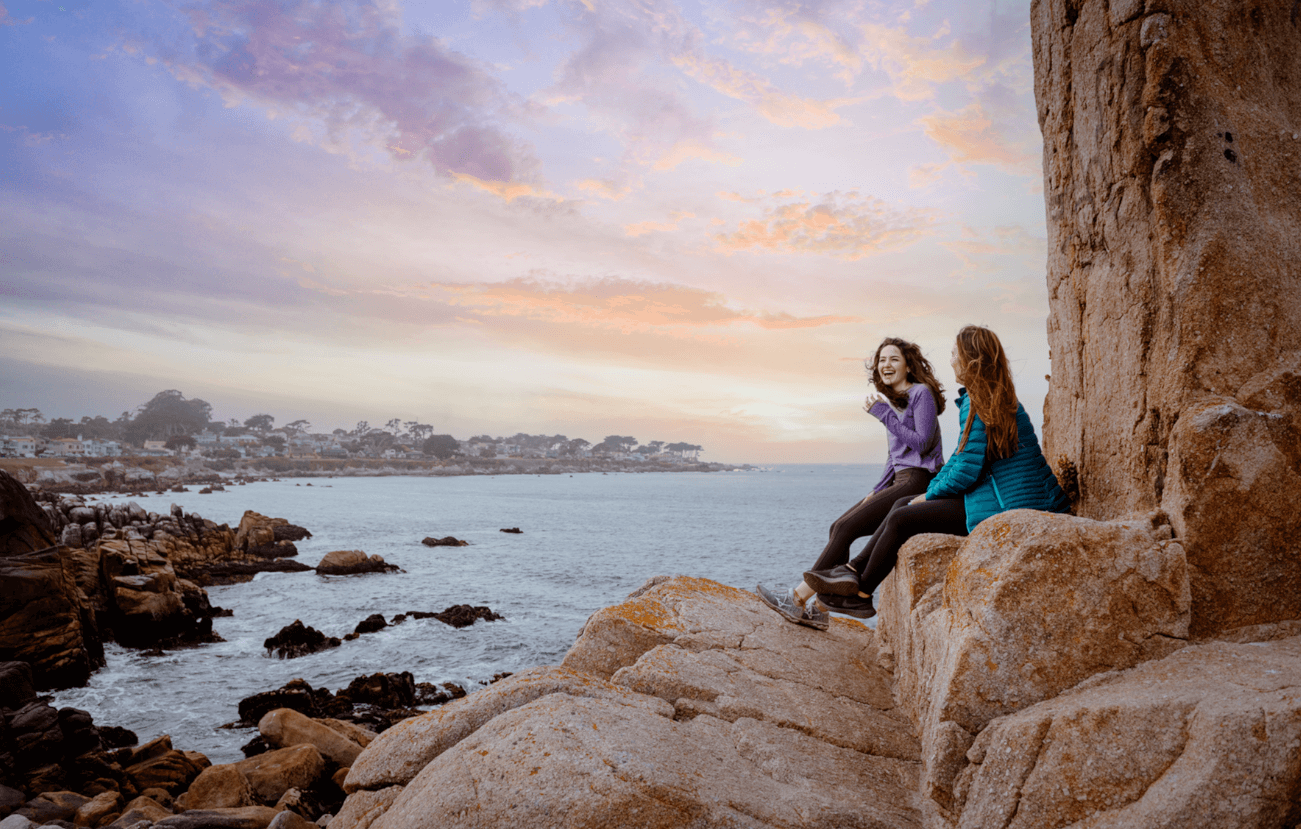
962,470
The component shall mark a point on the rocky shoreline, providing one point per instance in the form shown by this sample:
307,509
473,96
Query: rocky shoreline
134,476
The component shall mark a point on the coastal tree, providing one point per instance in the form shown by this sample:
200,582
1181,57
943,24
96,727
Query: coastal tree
277,442
180,442
654,447
440,446
260,422
168,413
576,446
616,443
99,427
299,426
60,427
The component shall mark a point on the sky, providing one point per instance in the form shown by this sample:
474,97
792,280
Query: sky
675,220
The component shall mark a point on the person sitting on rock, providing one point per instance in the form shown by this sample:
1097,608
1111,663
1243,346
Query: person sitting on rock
997,466
908,405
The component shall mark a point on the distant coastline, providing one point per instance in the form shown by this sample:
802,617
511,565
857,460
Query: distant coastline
153,473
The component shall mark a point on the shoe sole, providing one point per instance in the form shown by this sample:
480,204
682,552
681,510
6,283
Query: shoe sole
837,587
865,613
770,600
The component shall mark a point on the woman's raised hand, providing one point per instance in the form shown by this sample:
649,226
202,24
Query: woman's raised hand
871,400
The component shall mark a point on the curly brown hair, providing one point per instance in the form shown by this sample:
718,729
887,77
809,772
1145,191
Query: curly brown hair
984,370
919,371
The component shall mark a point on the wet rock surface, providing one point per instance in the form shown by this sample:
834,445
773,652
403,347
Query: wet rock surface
353,562
445,541
296,639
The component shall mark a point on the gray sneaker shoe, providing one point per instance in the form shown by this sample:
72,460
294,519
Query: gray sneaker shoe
785,604
838,581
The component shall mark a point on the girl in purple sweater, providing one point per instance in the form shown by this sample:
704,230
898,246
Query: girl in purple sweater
909,405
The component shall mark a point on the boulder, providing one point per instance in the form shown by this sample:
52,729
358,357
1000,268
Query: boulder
285,727
17,822
142,808
296,694
1030,604
51,806
148,605
350,562
397,755
217,787
590,759
289,819
383,690
94,811
363,808
297,639
24,526
1209,736
43,620
445,541
370,624
273,773
265,537
157,765
245,817
1174,281
10,799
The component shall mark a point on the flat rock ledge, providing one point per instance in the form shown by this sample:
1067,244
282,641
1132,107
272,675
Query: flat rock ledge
1037,674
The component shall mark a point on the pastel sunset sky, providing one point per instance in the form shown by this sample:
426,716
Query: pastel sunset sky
674,219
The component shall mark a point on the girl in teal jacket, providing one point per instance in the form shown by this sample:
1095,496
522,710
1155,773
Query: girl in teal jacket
997,466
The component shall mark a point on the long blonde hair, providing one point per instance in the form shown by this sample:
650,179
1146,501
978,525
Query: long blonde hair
984,370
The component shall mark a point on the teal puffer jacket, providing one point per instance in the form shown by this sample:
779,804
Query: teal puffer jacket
1023,481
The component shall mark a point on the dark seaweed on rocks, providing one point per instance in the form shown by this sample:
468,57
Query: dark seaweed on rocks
458,615
299,640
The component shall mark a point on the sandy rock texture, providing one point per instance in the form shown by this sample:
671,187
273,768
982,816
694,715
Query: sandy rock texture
1209,736
1028,606
690,704
1172,164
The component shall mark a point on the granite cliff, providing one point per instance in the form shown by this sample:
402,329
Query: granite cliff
1172,170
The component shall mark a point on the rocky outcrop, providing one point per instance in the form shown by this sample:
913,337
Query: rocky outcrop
352,562
1036,674
266,537
297,639
445,541
1172,160
692,703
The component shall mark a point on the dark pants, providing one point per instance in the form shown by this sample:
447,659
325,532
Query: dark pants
943,515
864,517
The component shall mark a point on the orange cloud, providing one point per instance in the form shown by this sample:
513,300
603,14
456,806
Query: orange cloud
969,136
841,225
642,228
624,304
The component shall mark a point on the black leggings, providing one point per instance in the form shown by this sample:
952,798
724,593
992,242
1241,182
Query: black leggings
942,515
864,517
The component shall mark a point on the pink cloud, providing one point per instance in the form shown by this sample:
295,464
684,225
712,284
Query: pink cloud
843,225
348,66
971,136
6,20
623,304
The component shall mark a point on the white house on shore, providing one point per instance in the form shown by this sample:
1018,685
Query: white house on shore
18,446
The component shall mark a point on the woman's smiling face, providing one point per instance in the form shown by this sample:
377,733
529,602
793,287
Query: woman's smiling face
892,367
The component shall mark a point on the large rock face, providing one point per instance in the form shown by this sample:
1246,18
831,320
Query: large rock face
1172,164
691,704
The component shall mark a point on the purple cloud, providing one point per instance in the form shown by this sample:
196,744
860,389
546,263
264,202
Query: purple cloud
349,65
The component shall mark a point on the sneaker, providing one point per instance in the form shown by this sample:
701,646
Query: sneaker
838,581
856,606
785,604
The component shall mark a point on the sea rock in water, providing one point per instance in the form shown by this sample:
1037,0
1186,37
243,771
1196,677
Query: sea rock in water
265,537
350,562
512,530
445,541
370,624
1174,282
297,639
458,615
383,690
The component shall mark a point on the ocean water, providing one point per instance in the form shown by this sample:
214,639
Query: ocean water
587,541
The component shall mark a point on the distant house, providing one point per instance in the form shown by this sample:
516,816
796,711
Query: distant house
100,448
18,446
155,446
64,448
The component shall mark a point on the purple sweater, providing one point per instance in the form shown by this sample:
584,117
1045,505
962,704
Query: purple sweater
914,434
